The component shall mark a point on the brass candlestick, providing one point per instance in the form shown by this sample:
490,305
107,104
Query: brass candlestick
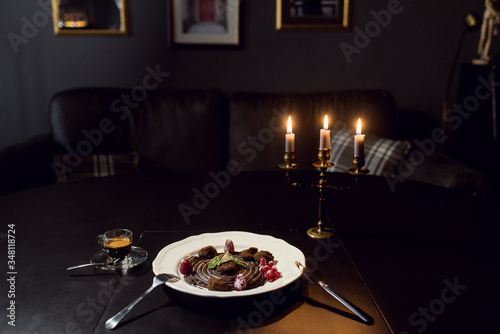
358,163
321,231
289,164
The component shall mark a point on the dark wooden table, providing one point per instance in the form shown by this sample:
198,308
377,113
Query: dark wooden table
421,259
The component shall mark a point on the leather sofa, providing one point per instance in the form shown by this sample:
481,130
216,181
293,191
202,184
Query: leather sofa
158,131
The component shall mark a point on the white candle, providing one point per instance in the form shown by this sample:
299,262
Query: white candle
359,142
289,137
324,136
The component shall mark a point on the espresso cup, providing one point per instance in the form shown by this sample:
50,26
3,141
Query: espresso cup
116,243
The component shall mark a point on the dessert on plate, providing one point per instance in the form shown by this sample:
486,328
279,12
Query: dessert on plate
229,270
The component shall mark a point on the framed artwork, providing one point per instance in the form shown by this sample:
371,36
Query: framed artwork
89,17
312,14
205,23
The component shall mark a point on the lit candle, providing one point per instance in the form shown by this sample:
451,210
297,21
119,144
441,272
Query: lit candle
359,142
324,136
289,137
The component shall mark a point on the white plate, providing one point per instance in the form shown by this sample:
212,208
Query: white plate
169,258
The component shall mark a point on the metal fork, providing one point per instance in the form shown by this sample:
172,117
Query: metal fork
157,280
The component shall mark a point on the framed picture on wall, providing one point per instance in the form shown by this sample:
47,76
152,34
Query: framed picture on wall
312,14
205,23
89,17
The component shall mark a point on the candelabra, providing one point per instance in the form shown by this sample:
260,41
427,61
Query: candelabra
322,186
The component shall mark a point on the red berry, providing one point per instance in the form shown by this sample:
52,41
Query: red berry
270,271
229,246
270,276
186,267
240,283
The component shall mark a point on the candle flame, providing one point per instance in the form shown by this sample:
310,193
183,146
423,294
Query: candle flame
358,128
289,125
325,123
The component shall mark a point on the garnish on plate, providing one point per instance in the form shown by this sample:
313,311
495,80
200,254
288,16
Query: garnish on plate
229,246
186,267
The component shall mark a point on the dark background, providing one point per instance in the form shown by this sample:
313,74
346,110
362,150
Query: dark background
411,57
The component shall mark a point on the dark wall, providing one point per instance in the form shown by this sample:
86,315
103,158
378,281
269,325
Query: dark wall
410,56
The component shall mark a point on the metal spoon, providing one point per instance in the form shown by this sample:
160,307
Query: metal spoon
111,263
158,280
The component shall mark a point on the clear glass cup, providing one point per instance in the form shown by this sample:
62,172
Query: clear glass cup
116,243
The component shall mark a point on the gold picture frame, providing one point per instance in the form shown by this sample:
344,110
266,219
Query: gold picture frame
310,15
89,17
206,23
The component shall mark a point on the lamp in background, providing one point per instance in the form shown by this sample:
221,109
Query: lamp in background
472,22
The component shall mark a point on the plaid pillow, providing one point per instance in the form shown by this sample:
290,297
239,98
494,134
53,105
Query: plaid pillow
95,165
382,155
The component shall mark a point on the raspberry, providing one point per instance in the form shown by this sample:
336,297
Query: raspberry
186,267
229,246
273,278
269,270
240,283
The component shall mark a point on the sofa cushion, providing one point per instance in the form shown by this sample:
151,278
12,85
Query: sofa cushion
258,123
95,165
382,155
441,170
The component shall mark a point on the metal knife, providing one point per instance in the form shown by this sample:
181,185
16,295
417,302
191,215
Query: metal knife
313,279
